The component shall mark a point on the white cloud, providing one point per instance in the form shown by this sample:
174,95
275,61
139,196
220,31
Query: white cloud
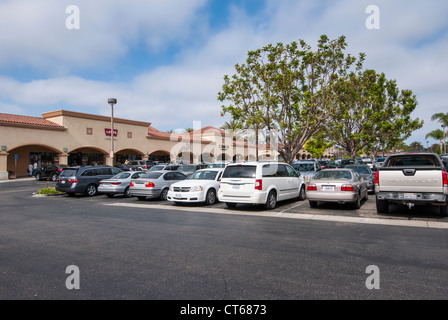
410,47
34,33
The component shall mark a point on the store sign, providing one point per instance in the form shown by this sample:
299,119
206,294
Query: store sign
108,132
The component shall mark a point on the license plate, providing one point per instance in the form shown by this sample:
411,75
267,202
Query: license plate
178,196
62,181
327,188
410,196
236,186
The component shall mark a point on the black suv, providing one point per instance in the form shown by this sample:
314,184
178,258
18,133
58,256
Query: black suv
51,171
84,180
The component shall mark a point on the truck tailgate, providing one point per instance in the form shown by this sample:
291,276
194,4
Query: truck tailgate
410,180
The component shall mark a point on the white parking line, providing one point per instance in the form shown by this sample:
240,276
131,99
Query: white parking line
314,217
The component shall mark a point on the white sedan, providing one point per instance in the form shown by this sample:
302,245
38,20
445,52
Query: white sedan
201,186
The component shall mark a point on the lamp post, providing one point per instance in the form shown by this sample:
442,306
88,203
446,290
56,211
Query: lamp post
112,101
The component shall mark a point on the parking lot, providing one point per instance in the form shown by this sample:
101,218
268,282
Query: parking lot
131,249
418,216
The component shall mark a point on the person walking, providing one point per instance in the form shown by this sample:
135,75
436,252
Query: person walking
34,168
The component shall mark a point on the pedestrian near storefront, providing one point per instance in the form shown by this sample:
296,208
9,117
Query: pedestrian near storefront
34,168
30,169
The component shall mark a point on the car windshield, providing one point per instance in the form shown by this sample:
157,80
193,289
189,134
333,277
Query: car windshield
360,169
122,175
239,172
203,175
336,174
303,167
68,173
186,168
151,175
156,168
133,163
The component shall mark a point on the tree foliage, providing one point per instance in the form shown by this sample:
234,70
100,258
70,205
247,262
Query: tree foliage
288,89
373,113
299,93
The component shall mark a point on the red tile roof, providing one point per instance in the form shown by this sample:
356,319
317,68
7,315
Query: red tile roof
27,121
156,134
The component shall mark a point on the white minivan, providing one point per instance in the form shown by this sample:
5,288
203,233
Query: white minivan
260,183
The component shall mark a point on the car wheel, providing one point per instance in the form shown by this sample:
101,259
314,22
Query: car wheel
54,177
164,194
382,206
38,176
141,197
357,203
230,204
127,193
302,194
367,195
313,204
110,195
91,190
210,198
271,201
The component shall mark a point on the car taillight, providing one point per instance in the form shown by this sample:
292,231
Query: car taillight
73,180
60,170
150,185
445,178
311,187
258,184
347,187
116,183
377,178
131,184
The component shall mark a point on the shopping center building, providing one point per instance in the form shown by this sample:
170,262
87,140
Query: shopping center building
74,138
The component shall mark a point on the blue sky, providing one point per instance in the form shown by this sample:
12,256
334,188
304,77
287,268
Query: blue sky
165,60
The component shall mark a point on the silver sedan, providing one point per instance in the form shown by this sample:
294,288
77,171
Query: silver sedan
119,184
337,185
154,184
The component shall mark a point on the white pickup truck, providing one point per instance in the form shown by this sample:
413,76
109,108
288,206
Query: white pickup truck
412,179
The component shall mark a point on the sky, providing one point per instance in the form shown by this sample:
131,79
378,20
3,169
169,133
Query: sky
165,61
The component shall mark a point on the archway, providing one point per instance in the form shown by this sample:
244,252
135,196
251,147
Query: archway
128,154
87,155
160,156
26,154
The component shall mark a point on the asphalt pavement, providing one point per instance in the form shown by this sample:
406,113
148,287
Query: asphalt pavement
152,250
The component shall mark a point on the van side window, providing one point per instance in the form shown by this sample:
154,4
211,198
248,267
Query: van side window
292,172
281,171
269,170
89,173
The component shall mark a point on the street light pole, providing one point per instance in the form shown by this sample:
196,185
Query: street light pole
112,101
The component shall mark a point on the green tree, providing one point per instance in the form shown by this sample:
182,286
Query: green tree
436,134
442,118
415,146
317,145
288,89
373,113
